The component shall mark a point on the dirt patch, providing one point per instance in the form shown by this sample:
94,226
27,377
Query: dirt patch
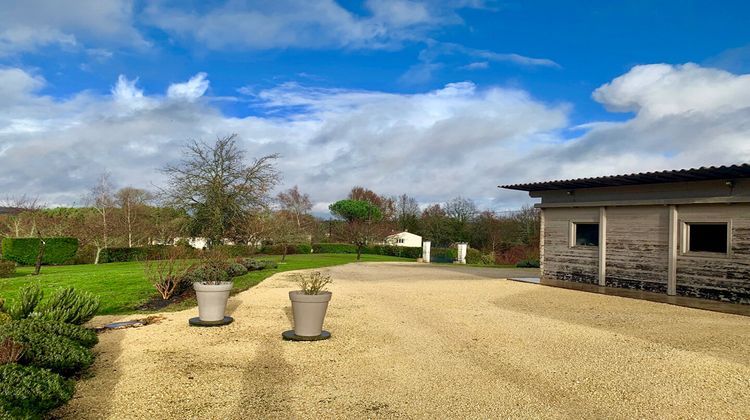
414,341
156,303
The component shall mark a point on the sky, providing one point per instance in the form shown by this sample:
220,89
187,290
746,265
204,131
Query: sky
434,99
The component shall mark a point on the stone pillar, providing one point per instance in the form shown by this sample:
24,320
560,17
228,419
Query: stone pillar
461,254
426,251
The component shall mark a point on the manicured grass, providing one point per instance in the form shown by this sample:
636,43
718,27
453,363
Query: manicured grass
122,287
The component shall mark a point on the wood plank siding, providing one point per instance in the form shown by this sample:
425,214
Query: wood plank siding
561,260
637,250
717,277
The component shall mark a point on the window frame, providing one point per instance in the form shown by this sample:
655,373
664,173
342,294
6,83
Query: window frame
685,237
573,232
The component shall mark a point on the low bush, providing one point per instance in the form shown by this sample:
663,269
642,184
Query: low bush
475,256
528,264
207,274
7,268
50,351
268,265
71,306
81,335
334,249
236,270
28,299
278,249
30,392
24,251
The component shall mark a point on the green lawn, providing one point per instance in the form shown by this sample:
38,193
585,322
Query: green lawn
122,287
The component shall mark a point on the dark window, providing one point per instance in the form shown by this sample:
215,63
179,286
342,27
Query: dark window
587,234
707,237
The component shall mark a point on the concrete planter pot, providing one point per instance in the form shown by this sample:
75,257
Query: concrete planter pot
309,312
212,300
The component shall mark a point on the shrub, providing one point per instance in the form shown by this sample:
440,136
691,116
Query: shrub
528,264
151,252
29,297
334,249
278,249
7,268
475,256
236,270
42,349
81,335
207,274
24,251
394,251
168,274
252,264
30,392
235,250
268,265
71,306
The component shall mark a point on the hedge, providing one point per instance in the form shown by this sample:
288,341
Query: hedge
150,252
334,249
278,249
394,251
24,251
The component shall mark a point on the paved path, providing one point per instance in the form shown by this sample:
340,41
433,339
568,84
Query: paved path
417,341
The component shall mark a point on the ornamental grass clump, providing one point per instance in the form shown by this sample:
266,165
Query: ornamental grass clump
313,283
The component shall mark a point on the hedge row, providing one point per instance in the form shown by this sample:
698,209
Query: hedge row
290,249
155,252
394,251
24,251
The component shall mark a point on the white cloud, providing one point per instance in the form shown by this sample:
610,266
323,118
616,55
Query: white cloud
303,24
30,24
461,139
477,65
190,90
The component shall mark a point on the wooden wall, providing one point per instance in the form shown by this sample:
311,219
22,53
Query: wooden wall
637,250
717,277
561,261
637,247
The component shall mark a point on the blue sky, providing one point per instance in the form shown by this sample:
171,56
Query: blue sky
390,94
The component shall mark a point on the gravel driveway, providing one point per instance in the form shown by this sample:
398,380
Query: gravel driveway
418,341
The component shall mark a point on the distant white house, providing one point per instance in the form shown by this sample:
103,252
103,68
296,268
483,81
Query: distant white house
404,239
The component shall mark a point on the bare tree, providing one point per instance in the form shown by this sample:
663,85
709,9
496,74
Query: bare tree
461,213
407,213
284,232
217,188
20,214
295,203
132,202
101,199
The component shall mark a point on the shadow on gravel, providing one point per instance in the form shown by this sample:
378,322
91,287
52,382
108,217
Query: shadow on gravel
102,377
265,383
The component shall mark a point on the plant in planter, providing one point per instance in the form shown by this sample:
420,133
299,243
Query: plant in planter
212,285
309,304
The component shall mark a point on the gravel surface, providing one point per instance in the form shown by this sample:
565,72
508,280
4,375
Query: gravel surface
417,341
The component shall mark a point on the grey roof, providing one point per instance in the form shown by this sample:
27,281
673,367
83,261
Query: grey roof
707,173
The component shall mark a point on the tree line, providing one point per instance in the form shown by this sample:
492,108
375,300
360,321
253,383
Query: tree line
216,193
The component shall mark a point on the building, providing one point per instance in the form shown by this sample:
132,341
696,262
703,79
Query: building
404,239
683,232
